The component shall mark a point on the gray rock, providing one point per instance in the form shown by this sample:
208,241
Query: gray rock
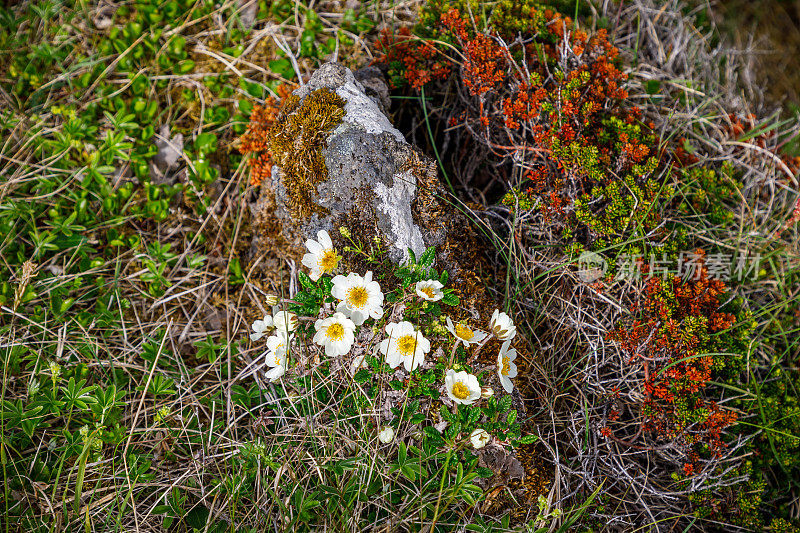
373,173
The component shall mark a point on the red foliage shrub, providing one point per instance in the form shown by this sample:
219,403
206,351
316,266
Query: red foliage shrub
676,341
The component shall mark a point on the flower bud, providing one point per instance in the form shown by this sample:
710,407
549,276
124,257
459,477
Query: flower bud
271,300
386,435
487,392
480,438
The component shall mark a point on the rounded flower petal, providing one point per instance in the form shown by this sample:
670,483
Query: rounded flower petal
462,387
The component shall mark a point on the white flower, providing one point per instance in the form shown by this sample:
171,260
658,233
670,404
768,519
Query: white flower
462,387
284,321
430,290
464,333
260,328
506,368
479,438
322,258
502,326
386,435
335,333
277,360
360,298
278,345
405,345
357,364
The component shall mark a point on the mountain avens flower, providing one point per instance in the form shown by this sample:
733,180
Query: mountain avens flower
260,328
321,257
335,333
502,326
479,438
430,290
464,333
506,368
386,435
284,321
462,387
405,345
360,298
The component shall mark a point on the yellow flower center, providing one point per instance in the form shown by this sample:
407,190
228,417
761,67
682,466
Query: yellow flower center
277,360
463,332
335,332
460,390
328,261
428,291
357,297
407,344
506,366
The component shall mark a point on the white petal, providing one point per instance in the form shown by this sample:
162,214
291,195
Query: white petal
309,261
275,373
384,346
324,239
512,370
314,247
508,386
357,317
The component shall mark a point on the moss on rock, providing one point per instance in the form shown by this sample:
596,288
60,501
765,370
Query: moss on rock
296,141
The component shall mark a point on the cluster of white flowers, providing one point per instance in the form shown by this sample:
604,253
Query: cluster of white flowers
360,298
283,323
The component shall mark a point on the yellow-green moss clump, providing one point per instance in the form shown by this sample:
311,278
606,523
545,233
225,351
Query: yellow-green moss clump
296,142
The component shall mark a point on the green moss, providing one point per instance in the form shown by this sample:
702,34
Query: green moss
296,142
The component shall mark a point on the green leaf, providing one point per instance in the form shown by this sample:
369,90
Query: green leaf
206,143
245,107
512,417
305,281
402,453
504,404
450,299
484,472
283,68
652,86
426,259
433,434
363,375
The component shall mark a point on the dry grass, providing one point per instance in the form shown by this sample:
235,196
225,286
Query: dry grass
223,444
